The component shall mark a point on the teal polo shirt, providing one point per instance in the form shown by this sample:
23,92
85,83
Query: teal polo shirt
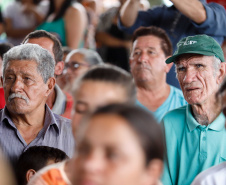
174,100
191,147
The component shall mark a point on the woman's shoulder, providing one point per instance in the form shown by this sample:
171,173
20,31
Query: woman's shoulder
76,8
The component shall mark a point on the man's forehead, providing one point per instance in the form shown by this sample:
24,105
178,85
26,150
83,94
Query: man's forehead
23,65
185,58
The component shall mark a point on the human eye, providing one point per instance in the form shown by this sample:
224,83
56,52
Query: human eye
9,78
151,52
112,155
28,80
81,108
136,52
199,65
84,149
181,69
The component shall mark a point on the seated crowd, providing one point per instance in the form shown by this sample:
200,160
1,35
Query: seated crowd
73,115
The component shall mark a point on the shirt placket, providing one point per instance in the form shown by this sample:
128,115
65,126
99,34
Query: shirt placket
203,142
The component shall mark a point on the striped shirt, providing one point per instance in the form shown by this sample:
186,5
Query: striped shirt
56,132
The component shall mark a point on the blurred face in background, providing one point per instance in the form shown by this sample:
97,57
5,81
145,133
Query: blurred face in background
110,153
75,66
93,94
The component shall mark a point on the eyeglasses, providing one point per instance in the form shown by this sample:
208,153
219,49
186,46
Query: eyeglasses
75,65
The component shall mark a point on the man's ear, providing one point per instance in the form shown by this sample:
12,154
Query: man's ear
50,83
168,66
154,171
30,174
59,67
222,72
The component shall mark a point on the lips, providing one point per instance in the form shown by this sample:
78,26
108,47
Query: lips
192,88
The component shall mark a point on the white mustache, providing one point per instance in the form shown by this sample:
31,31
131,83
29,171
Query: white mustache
17,95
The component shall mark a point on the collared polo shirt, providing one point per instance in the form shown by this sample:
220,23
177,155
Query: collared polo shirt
56,132
174,100
191,147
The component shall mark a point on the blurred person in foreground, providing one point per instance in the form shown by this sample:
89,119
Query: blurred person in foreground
117,145
4,47
36,158
26,120
77,63
59,102
194,134
215,175
100,86
151,47
6,175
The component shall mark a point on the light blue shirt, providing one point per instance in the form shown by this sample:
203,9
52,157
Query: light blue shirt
191,147
174,100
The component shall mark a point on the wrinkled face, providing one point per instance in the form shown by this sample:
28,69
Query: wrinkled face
76,66
93,94
198,78
109,153
25,90
147,60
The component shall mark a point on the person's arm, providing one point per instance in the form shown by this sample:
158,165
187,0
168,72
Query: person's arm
75,23
193,9
16,33
129,12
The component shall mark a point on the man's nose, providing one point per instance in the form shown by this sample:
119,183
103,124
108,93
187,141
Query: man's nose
190,76
143,57
17,85
94,162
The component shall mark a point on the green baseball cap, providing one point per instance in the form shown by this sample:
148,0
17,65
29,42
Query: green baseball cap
198,44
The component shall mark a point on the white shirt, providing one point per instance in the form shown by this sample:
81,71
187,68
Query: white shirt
215,175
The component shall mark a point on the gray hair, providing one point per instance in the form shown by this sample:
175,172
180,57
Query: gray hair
32,52
90,56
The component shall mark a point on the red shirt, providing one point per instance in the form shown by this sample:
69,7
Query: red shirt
222,2
2,99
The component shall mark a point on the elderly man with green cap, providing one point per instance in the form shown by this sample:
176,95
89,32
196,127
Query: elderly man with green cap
194,134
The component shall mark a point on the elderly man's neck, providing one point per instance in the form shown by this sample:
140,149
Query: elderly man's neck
29,125
206,113
153,96
51,99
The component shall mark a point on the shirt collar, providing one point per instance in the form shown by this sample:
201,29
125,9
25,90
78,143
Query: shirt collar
60,101
49,119
217,124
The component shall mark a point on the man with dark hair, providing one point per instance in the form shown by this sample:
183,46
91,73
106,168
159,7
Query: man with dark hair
4,47
194,134
151,47
35,158
60,102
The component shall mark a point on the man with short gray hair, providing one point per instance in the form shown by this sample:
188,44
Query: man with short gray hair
28,79
194,134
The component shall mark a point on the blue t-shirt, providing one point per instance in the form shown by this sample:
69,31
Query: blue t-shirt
191,147
174,100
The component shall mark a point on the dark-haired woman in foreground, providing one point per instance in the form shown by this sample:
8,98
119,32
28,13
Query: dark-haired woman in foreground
116,145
